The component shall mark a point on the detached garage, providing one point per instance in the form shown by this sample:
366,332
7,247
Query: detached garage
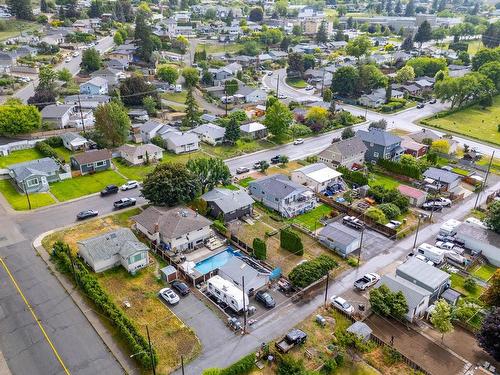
340,238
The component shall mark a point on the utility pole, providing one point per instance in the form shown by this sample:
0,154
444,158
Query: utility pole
151,352
326,287
361,245
439,189
27,194
182,364
278,86
416,233
244,305
81,113
323,83
484,182
225,95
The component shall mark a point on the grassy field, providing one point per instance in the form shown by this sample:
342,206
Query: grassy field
310,219
19,157
178,97
297,83
474,47
171,337
245,181
457,283
484,271
218,48
84,185
240,148
15,27
474,122
19,201
378,179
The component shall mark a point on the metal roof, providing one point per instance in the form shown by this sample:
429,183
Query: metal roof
415,270
414,294
228,200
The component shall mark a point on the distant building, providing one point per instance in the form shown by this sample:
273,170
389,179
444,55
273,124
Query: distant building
253,130
481,241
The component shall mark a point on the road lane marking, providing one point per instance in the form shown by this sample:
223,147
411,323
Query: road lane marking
35,317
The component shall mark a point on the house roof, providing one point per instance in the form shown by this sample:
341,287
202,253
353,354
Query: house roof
414,294
410,144
411,191
252,127
92,156
235,269
446,177
339,233
150,125
347,148
279,185
56,110
319,172
71,136
171,222
211,130
135,151
378,136
416,270
105,72
44,167
480,234
420,135
180,139
361,329
228,200
120,241
96,81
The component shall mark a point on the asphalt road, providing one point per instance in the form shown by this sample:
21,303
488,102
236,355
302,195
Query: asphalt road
73,66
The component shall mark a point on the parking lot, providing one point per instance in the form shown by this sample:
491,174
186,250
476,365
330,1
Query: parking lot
374,244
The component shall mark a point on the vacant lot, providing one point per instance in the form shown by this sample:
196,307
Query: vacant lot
19,201
241,147
379,179
178,97
218,48
474,122
171,338
14,27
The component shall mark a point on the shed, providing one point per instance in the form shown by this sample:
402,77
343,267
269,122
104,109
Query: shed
168,273
340,238
361,330
451,296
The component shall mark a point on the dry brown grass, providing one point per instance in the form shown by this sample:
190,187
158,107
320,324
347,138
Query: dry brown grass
284,169
376,359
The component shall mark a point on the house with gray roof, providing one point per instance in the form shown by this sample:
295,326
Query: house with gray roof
253,130
416,297
317,177
210,133
87,101
94,86
74,141
181,142
441,179
420,135
113,248
360,329
380,144
228,204
282,195
480,240
57,115
91,161
347,153
35,175
425,276
175,228
141,154
340,238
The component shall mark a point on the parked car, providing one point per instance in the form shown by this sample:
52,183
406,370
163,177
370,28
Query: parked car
256,165
445,245
270,73
67,59
308,88
433,101
275,159
86,214
282,96
75,54
132,184
393,224
420,106
265,299
342,304
180,287
353,222
124,203
110,189
445,202
169,295
241,170
431,206
293,337
445,238
298,141
366,281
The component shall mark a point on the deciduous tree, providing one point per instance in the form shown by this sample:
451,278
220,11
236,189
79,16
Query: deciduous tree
493,217
112,124
18,118
91,60
167,73
191,77
406,73
489,336
210,172
387,303
278,119
359,46
232,133
441,317
344,80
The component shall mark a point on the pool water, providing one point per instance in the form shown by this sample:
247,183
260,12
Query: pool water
214,262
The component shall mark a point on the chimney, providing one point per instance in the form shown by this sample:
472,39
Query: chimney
157,227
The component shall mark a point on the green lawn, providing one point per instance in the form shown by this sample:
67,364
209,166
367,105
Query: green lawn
19,201
245,181
457,283
297,83
177,97
310,219
474,122
474,47
461,171
19,157
63,153
14,27
218,48
484,272
240,148
231,187
84,185
378,179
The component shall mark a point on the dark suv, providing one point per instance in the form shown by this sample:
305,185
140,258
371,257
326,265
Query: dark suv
275,159
180,287
265,299
110,189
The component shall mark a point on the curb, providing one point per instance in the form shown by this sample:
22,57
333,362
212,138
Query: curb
92,317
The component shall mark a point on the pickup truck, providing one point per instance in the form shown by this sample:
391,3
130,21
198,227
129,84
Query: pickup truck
366,281
124,202
292,338
353,222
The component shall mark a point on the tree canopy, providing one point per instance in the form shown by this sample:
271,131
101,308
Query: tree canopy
387,303
427,66
463,90
493,216
91,60
167,73
134,89
441,317
488,336
210,172
112,124
491,295
278,119
18,118
359,46
191,76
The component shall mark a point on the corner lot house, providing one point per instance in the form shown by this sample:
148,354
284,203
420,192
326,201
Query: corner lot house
316,177
425,276
441,179
380,144
253,130
91,161
141,154
416,196
340,238
112,249
176,228
230,204
416,296
74,141
210,133
347,153
35,175
282,195
95,86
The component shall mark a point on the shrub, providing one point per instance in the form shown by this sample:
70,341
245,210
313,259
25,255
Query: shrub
291,241
391,355
308,272
314,158
219,225
242,367
353,262
259,248
390,210
376,214
412,171
354,177
288,365
54,141
329,366
46,150
470,284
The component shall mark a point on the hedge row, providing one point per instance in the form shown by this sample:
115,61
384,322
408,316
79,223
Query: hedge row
46,150
399,168
93,290
308,272
54,141
354,177
244,366
291,241
259,248
393,105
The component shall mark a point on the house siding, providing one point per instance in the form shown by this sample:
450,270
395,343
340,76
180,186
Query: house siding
91,168
216,212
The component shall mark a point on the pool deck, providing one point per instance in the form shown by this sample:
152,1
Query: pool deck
204,253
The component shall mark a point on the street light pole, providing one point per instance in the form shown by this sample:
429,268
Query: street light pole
27,194
278,86
326,287
151,352
416,233
484,182
361,244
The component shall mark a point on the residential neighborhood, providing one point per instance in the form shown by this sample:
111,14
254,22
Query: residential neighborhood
303,187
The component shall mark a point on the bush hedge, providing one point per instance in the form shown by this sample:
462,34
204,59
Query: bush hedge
46,150
393,105
259,248
54,141
219,225
242,367
412,171
93,290
289,240
390,210
308,272
354,177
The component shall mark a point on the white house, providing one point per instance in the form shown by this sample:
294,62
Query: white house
141,154
113,248
254,130
316,177
176,228
73,141
210,133
58,115
179,142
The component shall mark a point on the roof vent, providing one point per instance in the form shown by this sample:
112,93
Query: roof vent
184,213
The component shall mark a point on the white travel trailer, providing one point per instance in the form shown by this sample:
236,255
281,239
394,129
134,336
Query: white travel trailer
449,228
228,293
432,253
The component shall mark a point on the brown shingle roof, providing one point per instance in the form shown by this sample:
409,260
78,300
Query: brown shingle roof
92,156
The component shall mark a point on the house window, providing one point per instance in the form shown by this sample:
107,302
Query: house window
375,154
32,182
136,258
100,163
139,157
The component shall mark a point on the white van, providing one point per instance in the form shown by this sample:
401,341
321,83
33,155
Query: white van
178,88
431,252
449,228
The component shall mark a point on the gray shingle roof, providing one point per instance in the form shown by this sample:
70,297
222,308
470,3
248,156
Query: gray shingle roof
413,293
212,130
441,175
377,136
228,200
120,241
339,233
426,274
70,136
150,125
135,151
279,185
92,156
171,222
56,110
420,135
252,127
180,139
347,147
44,167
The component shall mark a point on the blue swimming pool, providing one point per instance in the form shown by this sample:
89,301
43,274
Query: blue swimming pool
214,262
